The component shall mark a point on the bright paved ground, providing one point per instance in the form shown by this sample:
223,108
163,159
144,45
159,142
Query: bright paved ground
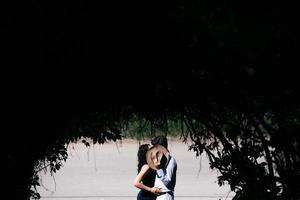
106,172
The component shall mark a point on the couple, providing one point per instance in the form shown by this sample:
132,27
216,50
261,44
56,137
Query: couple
156,171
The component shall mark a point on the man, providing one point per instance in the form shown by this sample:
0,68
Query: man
159,158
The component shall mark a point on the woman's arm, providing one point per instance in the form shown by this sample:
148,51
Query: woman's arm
138,180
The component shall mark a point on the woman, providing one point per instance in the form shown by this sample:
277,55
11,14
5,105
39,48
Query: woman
146,176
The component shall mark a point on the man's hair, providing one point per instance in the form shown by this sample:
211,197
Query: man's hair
161,140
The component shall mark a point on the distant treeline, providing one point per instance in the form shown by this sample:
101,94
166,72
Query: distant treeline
143,128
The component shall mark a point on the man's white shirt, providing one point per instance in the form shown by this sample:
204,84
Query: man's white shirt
166,177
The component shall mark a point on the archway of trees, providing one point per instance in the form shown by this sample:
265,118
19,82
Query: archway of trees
222,70
235,141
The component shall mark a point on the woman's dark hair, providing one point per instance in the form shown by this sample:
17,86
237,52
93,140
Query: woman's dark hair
142,156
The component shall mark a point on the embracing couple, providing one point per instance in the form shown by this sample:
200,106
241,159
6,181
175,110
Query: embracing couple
156,171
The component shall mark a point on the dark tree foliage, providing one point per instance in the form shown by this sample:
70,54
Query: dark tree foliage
223,70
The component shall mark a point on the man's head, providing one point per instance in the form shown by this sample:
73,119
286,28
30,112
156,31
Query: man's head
161,140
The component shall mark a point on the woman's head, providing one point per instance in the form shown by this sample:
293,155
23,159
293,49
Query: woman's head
142,155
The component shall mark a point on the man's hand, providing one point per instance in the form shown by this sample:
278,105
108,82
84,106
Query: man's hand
155,190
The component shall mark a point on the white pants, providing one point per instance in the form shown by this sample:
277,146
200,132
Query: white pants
165,197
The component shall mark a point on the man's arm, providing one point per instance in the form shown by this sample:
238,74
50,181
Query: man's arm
167,175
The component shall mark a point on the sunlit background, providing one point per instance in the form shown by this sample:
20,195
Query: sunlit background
107,172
